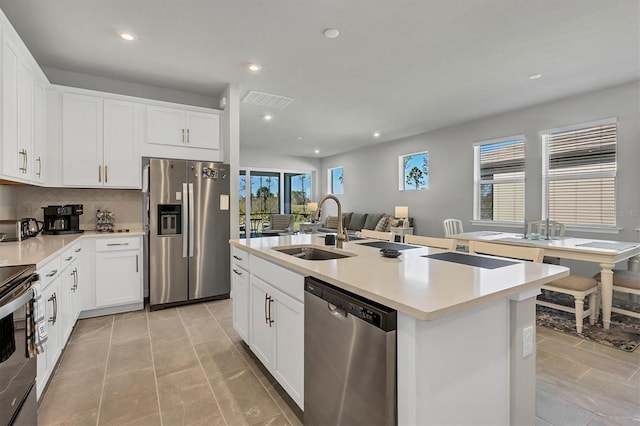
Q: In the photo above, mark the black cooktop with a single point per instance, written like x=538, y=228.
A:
x=388, y=245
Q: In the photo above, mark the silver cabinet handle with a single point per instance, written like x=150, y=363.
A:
x=182, y=135
x=236, y=257
x=78, y=250
x=237, y=272
x=54, y=302
x=68, y=258
x=26, y=160
x=52, y=273
x=39, y=172
x=106, y=174
x=136, y=263
x=188, y=138
x=266, y=300
x=117, y=244
x=271, y=321
x=73, y=274
x=99, y=173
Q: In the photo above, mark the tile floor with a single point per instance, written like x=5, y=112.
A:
x=187, y=366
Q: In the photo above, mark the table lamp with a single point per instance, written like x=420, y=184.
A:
x=312, y=207
x=402, y=212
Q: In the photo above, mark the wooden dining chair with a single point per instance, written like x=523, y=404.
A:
x=556, y=229
x=367, y=233
x=443, y=243
x=624, y=282
x=452, y=226
x=577, y=286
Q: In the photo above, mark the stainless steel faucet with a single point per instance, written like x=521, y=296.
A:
x=342, y=234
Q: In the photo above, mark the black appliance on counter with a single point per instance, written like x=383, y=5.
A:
x=62, y=219
x=18, y=404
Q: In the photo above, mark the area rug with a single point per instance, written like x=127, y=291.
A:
x=624, y=333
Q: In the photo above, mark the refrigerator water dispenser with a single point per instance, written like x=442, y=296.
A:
x=169, y=219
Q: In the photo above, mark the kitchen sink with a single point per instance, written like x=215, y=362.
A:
x=310, y=252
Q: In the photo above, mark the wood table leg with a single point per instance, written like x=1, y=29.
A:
x=606, y=293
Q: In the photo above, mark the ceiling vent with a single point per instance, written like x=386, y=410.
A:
x=266, y=99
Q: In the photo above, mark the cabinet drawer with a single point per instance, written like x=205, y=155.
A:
x=69, y=255
x=279, y=277
x=113, y=244
x=240, y=258
x=49, y=272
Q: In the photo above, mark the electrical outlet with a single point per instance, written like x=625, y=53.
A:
x=527, y=341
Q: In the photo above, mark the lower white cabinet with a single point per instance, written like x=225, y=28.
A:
x=240, y=287
x=118, y=271
x=50, y=293
x=277, y=335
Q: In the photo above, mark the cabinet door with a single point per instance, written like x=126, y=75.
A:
x=166, y=126
x=262, y=331
x=203, y=130
x=240, y=282
x=122, y=163
x=82, y=140
x=118, y=279
x=39, y=128
x=25, y=119
x=289, y=346
x=51, y=311
x=12, y=159
x=66, y=302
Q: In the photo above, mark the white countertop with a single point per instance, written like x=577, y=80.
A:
x=41, y=249
x=424, y=288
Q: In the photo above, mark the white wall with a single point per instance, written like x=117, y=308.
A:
x=7, y=202
x=371, y=174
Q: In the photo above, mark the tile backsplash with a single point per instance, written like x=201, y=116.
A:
x=126, y=204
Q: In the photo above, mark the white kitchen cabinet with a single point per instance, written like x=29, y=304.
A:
x=69, y=302
x=49, y=287
x=13, y=157
x=39, y=131
x=240, y=286
x=101, y=142
x=182, y=127
x=118, y=271
x=277, y=335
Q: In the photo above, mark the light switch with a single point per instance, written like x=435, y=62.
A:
x=527, y=341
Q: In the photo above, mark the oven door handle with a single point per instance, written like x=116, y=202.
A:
x=12, y=306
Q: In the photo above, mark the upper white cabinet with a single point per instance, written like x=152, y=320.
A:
x=39, y=131
x=100, y=142
x=182, y=127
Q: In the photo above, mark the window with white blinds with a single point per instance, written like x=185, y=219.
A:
x=499, y=180
x=579, y=174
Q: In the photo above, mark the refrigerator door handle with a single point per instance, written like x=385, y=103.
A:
x=185, y=220
x=191, y=219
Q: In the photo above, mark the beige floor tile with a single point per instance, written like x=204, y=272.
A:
x=612, y=387
x=549, y=333
x=88, y=418
x=167, y=330
x=621, y=369
x=162, y=314
x=558, y=367
x=174, y=356
x=289, y=408
x=219, y=357
x=129, y=397
x=85, y=356
x=232, y=334
x=130, y=315
x=221, y=309
x=186, y=399
x=558, y=412
x=190, y=313
x=130, y=329
x=129, y=355
x=242, y=398
x=278, y=420
x=91, y=329
x=72, y=395
x=610, y=352
x=204, y=330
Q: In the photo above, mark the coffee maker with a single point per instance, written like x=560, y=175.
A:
x=62, y=219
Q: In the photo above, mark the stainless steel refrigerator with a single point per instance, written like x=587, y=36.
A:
x=188, y=231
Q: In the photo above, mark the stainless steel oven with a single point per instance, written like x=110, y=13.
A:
x=17, y=370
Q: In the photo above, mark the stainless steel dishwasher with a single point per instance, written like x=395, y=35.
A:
x=349, y=358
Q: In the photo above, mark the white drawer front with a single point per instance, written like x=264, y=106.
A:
x=279, y=277
x=117, y=243
x=240, y=258
x=49, y=272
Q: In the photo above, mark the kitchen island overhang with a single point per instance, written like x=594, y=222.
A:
x=460, y=328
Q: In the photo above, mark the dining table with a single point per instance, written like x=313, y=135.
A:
x=604, y=252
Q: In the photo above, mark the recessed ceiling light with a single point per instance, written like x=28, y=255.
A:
x=317, y=151
x=298, y=138
x=267, y=117
x=535, y=76
x=331, y=33
x=254, y=67
x=127, y=36
x=376, y=135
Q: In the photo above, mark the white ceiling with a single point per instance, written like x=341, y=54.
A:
x=400, y=67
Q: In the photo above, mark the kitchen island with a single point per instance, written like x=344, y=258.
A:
x=460, y=328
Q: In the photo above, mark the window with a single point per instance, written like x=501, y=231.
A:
x=336, y=178
x=297, y=193
x=499, y=180
x=414, y=171
x=579, y=174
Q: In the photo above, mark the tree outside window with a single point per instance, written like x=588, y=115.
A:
x=414, y=171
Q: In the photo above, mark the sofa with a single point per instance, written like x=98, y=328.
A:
x=354, y=222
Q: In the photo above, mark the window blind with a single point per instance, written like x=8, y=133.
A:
x=579, y=174
x=500, y=180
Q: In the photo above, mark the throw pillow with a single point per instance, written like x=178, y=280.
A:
x=382, y=223
x=372, y=220
x=357, y=221
x=346, y=218
x=331, y=222
x=393, y=222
